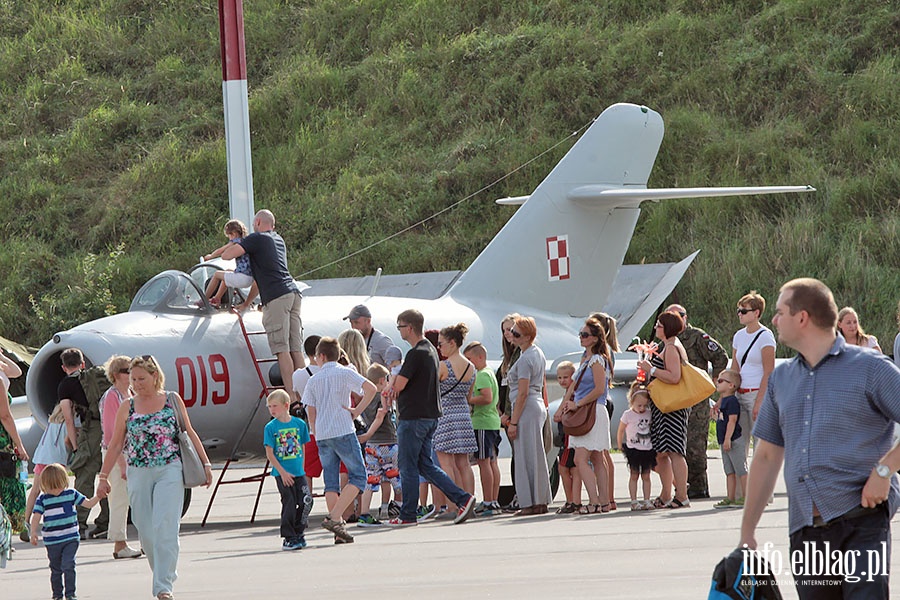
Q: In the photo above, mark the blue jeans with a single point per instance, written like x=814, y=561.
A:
x=62, y=566
x=342, y=448
x=867, y=539
x=414, y=437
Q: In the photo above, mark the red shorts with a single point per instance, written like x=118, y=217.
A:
x=311, y=463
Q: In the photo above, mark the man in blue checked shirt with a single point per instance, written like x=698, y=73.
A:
x=828, y=417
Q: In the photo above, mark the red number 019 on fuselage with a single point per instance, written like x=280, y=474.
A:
x=202, y=379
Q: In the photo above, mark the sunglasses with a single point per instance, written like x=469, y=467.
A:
x=723, y=380
x=124, y=371
x=515, y=333
x=584, y=334
x=402, y=326
x=744, y=311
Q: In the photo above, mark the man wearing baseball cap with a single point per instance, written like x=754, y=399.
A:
x=377, y=343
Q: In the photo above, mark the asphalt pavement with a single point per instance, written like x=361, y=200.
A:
x=623, y=554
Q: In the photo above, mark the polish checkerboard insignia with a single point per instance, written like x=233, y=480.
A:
x=558, y=257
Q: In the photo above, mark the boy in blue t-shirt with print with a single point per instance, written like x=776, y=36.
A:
x=731, y=439
x=284, y=438
x=57, y=507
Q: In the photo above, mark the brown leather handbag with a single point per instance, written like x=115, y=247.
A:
x=582, y=419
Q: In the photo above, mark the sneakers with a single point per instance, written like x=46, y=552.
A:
x=423, y=512
x=338, y=529
x=443, y=510
x=297, y=543
x=465, y=511
x=368, y=520
x=394, y=509
x=397, y=521
x=481, y=507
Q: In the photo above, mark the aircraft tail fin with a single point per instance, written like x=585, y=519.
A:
x=560, y=254
x=560, y=251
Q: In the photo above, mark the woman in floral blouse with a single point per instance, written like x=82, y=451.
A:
x=147, y=431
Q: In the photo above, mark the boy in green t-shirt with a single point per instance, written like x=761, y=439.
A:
x=486, y=423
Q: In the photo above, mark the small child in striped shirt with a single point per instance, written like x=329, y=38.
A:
x=60, y=531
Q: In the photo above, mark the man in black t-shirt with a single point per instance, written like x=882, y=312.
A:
x=417, y=392
x=277, y=292
x=84, y=434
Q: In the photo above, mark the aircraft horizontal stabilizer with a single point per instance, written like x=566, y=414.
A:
x=620, y=196
x=640, y=290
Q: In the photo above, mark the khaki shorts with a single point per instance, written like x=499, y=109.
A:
x=281, y=320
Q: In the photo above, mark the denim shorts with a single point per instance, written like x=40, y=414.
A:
x=332, y=452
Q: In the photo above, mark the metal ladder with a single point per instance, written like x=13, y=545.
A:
x=264, y=392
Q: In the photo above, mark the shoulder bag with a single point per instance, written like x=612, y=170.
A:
x=581, y=420
x=694, y=386
x=192, y=469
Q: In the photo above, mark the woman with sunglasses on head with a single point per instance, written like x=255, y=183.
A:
x=525, y=429
x=147, y=430
x=591, y=384
x=668, y=431
x=753, y=356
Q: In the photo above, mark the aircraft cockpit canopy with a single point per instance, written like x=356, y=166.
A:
x=171, y=292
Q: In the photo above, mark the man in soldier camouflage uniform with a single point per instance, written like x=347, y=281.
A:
x=702, y=350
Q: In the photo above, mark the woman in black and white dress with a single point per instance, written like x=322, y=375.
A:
x=668, y=431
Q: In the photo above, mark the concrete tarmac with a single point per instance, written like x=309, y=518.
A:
x=623, y=554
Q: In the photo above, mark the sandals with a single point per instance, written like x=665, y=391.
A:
x=566, y=509
x=605, y=507
x=591, y=509
x=612, y=505
x=635, y=505
x=676, y=503
x=659, y=503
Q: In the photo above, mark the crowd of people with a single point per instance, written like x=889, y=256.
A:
x=410, y=428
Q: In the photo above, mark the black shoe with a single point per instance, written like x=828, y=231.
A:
x=82, y=534
x=695, y=494
x=98, y=534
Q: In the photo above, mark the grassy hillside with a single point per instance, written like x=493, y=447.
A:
x=369, y=115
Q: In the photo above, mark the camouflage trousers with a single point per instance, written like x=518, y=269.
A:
x=697, y=433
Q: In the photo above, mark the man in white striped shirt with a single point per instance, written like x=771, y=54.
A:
x=327, y=400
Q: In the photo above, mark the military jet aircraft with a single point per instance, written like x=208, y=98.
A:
x=558, y=259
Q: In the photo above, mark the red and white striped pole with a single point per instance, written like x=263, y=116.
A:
x=237, y=112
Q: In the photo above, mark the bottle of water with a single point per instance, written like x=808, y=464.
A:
x=23, y=472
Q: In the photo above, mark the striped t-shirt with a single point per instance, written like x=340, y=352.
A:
x=60, y=520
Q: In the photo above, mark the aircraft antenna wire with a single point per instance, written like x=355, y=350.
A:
x=452, y=206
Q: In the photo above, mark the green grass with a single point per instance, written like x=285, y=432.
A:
x=368, y=116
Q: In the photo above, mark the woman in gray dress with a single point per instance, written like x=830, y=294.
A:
x=526, y=384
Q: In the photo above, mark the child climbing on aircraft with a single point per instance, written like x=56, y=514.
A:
x=241, y=277
x=634, y=439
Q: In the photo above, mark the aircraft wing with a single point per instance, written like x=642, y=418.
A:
x=639, y=291
x=425, y=286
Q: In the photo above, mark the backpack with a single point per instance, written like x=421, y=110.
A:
x=730, y=580
x=94, y=383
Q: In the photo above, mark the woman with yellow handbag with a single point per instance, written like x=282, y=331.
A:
x=668, y=430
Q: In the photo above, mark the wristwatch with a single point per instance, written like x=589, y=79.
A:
x=883, y=471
